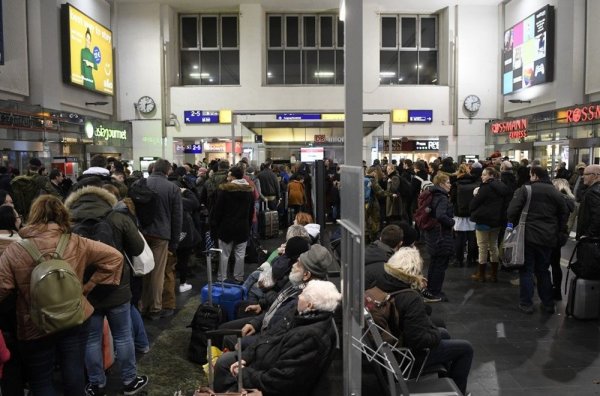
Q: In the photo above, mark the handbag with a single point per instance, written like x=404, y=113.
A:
x=143, y=263
x=513, y=255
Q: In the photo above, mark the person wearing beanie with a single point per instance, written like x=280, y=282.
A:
x=403, y=272
x=312, y=264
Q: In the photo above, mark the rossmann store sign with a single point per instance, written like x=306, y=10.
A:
x=579, y=114
x=516, y=129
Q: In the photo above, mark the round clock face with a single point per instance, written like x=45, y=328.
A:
x=146, y=105
x=472, y=103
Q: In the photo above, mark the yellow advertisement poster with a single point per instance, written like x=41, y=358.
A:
x=90, y=52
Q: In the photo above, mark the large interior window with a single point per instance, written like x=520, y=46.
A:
x=408, y=50
x=306, y=49
x=209, y=52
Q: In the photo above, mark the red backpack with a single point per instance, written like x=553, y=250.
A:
x=424, y=218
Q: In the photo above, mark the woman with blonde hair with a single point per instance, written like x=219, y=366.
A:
x=561, y=185
x=48, y=222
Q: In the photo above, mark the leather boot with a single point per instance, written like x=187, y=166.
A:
x=494, y=273
x=479, y=276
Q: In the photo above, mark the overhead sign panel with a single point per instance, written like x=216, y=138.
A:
x=297, y=116
x=420, y=115
x=200, y=117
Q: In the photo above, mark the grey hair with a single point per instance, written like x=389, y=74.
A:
x=297, y=230
x=323, y=295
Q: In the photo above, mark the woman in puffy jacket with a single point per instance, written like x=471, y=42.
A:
x=488, y=211
x=48, y=221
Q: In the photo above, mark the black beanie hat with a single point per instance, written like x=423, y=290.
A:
x=295, y=246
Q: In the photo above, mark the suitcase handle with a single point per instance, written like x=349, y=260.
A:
x=209, y=270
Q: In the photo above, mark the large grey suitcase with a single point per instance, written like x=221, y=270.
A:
x=584, y=299
x=268, y=223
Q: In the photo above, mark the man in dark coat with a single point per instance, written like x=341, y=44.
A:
x=290, y=361
x=588, y=220
x=547, y=217
x=507, y=176
x=403, y=272
x=231, y=219
x=269, y=186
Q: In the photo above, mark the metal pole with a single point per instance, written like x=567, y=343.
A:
x=353, y=260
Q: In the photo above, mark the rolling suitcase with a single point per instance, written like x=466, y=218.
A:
x=208, y=316
x=226, y=295
x=583, y=299
x=208, y=391
x=268, y=222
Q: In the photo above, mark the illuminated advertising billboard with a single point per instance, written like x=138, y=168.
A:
x=87, y=51
x=528, y=52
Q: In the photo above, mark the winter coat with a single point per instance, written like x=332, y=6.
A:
x=418, y=332
x=547, y=214
x=269, y=185
x=296, y=194
x=169, y=216
x=287, y=305
x=231, y=216
x=489, y=205
x=211, y=186
x=97, y=203
x=16, y=266
x=460, y=196
x=440, y=240
x=394, y=205
x=291, y=362
x=372, y=210
x=378, y=252
x=508, y=178
x=588, y=220
x=190, y=206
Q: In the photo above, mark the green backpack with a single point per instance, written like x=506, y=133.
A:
x=55, y=290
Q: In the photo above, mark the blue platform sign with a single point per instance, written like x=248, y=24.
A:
x=420, y=115
x=298, y=116
x=200, y=117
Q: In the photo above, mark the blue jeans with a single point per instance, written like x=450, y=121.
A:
x=40, y=356
x=436, y=273
x=537, y=260
x=456, y=355
x=119, y=320
x=140, y=338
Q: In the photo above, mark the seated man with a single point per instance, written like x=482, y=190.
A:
x=379, y=252
x=404, y=271
x=312, y=264
x=291, y=361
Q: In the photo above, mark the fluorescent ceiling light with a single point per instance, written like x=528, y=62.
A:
x=324, y=74
x=195, y=67
x=269, y=74
x=387, y=74
x=195, y=75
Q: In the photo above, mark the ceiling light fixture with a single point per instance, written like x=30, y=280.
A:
x=96, y=103
x=519, y=101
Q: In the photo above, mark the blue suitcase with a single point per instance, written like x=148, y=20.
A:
x=226, y=295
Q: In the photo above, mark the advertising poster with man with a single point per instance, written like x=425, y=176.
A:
x=90, y=53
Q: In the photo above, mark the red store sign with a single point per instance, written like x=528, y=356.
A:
x=516, y=129
x=583, y=114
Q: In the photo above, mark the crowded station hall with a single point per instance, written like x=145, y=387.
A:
x=316, y=198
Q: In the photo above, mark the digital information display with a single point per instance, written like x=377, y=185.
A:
x=528, y=53
x=200, y=117
x=311, y=154
x=87, y=51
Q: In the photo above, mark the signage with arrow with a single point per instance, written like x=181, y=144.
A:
x=420, y=115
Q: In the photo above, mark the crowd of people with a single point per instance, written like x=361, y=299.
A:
x=457, y=213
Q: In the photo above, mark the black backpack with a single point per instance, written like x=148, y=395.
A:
x=207, y=317
x=145, y=201
x=96, y=229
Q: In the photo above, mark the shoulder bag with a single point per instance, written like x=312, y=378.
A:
x=513, y=255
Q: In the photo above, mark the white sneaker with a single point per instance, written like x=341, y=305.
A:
x=185, y=287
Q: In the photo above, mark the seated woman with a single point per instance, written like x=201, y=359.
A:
x=290, y=362
x=404, y=271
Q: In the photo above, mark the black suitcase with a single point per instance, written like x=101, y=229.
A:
x=583, y=299
x=268, y=222
x=208, y=316
x=255, y=254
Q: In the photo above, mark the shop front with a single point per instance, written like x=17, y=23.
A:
x=109, y=138
x=412, y=148
x=569, y=135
